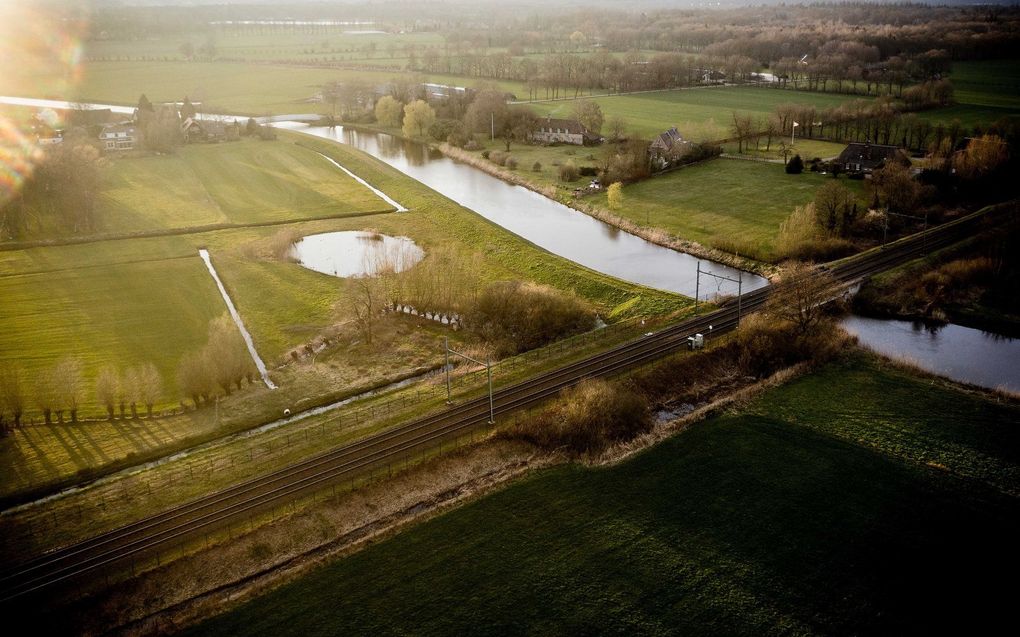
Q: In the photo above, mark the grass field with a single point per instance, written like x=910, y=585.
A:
x=702, y=114
x=236, y=183
x=726, y=203
x=128, y=313
x=808, y=149
x=757, y=522
x=985, y=92
x=222, y=87
x=283, y=303
x=145, y=288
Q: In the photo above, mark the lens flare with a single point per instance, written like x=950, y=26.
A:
x=41, y=56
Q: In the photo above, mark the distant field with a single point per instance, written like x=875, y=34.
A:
x=985, y=92
x=725, y=203
x=250, y=89
x=701, y=114
x=752, y=523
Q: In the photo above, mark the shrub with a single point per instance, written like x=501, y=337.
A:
x=588, y=171
x=510, y=163
x=537, y=167
x=441, y=129
x=486, y=153
x=588, y=418
x=498, y=157
x=513, y=316
x=568, y=172
x=795, y=166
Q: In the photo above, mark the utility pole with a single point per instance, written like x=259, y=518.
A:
x=697, y=287
x=924, y=231
x=740, y=287
x=488, y=374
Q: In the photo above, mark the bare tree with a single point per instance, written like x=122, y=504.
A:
x=226, y=354
x=12, y=395
x=836, y=207
x=108, y=388
x=800, y=294
x=150, y=386
x=69, y=384
x=617, y=126
x=44, y=391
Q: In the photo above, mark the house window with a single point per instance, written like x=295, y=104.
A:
x=111, y=144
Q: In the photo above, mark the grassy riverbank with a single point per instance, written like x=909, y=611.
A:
x=149, y=299
x=771, y=519
x=728, y=204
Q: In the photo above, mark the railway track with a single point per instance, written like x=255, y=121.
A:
x=242, y=501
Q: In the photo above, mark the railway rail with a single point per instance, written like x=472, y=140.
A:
x=241, y=501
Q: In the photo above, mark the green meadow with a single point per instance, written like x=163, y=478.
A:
x=730, y=204
x=204, y=185
x=700, y=114
x=766, y=520
x=984, y=91
x=150, y=298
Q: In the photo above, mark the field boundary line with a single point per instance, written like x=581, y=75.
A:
x=364, y=183
x=263, y=371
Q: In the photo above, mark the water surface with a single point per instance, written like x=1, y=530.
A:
x=960, y=353
x=356, y=253
x=546, y=223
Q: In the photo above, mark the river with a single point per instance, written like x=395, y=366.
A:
x=546, y=223
x=960, y=353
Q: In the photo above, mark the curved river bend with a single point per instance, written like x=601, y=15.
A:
x=542, y=221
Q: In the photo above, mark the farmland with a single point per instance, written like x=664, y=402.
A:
x=984, y=92
x=701, y=114
x=767, y=520
x=148, y=299
x=246, y=182
x=725, y=203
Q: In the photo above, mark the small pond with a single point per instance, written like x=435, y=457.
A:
x=356, y=253
x=960, y=353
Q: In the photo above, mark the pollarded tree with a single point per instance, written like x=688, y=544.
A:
x=44, y=392
x=150, y=386
x=194, y=378
x=226, y=354
x=388, y=111
x=418, y=117
x=12, y=394
x=127, y=393
x=69, y=383
x=108, y=388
